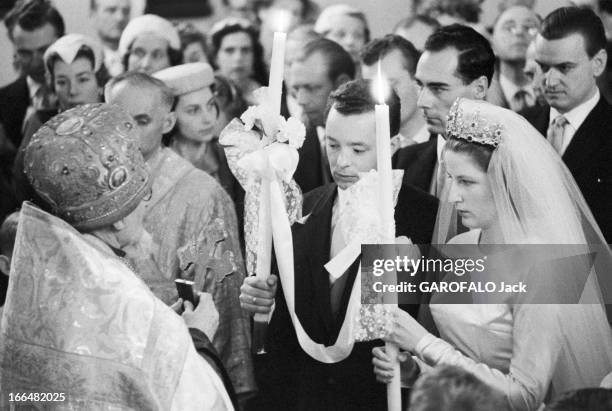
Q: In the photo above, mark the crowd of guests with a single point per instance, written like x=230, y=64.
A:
x=114, y=184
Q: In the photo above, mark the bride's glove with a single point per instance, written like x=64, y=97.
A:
x=404, y=331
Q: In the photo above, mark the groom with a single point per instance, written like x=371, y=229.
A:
x=289, y=379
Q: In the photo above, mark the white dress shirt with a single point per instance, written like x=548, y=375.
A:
x=35, y=99
x=113, y=61
x=421, y=136
x=437, y=175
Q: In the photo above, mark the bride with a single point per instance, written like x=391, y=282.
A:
x=509, y=186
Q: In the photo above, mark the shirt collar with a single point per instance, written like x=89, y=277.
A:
x=578, y=114
x=422, y=135
x=110, y=54
x=440, y=146
x=342, y=196
x=33, y=87
x=510, y=89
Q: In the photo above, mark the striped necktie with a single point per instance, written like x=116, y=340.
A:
x=556, y=133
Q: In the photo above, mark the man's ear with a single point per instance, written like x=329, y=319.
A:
x=341, y=79
x=479, y=88
x=5, y=264
x=599, y=61
x=169, y=122
x=395, y=144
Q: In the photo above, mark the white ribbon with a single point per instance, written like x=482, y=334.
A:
x=336, y=267
x=272, y=163
x=284, y=255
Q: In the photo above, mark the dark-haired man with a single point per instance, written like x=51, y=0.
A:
x=32, y=27
x=293, y=380
x=457, y=62
x=322, y=66
x=398, y=59
x=577, y=121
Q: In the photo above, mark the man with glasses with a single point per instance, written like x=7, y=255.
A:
x=514, y=29
x=32, y=26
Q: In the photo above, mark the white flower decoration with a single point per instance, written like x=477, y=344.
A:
x=273, y=125
x=293, y=131
x=250, y=116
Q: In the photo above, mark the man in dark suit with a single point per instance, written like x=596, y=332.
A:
x=291, y=379
x=32, y=27
x=577, y=121
x=397, y=58
x=457, y=62
x=512, y=32
x=320, y=69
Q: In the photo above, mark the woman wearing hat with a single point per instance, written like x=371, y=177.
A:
x=75, y=71
x=150, y=43
x=346, y=25
x=197, y=112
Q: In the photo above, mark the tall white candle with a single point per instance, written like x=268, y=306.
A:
x=275, y=86
x=385, y=184
x=277, y=67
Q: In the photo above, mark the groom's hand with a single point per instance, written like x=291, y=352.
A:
x=257, y=295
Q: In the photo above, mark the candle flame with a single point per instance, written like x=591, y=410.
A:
x=283, y=20
x=381, y=86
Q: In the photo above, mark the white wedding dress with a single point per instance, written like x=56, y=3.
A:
x=529, y=352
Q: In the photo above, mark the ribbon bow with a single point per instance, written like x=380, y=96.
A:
x=264, y=168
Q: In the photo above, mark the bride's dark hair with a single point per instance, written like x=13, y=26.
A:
x=480, y=153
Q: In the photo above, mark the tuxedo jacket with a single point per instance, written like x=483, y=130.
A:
x=294, y=381
x=14, y=102
x=418, y=162
x=589, y=158
x=310, y=173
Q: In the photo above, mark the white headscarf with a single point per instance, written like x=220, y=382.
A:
x=149, y=23
x=68, y=46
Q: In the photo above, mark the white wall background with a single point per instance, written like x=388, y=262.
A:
x=383, y=15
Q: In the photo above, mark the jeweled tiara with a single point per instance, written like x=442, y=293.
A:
x=472, y=127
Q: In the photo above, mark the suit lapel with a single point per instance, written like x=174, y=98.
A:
x=421, y=171
x=308, y=174
x=584, y=142
x=542, y=119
